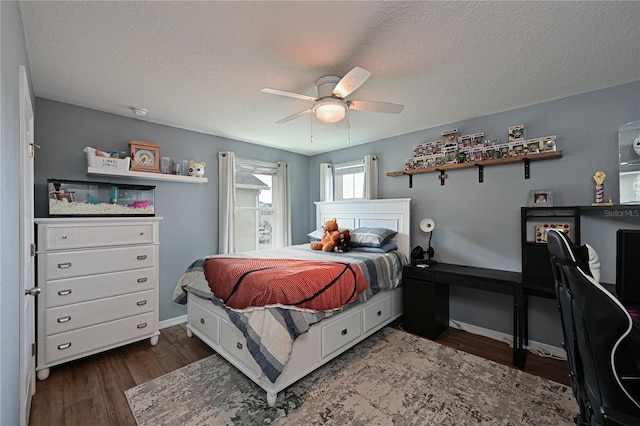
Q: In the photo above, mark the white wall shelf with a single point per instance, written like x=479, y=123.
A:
x=144, y=175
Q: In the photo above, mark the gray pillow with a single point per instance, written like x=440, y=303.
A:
x=385, y=248
x=371, y=237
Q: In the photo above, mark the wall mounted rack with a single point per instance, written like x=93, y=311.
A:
x=443, y=168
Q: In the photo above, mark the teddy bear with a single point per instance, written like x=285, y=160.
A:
x=333, y=239
x=196, y=169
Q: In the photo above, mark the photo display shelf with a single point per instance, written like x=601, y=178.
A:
x=526, y=159
x=105, y=171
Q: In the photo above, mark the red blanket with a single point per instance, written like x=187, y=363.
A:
x=320, y=286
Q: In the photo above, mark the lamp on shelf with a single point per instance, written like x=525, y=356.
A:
x=428, y=225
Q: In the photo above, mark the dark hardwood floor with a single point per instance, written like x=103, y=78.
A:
x=90, y=391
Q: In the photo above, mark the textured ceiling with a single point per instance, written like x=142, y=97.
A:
x=201, y=65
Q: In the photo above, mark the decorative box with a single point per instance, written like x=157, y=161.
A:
x=79, y=198
x=112, y=163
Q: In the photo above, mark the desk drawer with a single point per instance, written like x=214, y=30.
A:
x=337, y=334
x=90, y=262
x=82, y=289
x=90, y=339
x=72, y=317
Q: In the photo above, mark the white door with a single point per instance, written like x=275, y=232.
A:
x=28, y=290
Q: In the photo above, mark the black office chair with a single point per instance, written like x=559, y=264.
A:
x=605, y=378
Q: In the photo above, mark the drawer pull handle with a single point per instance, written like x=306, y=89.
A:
x=142, y=257
x=142, y=303
x=64, y=265
x=64, y=346
x=201, y=320
x=379, y=313
x=64, y=319
x=143, y=325
x=142, y=233
x=239, y=345
x=64, y=237
x=344, y=332
x=64, y=292
x=142, y=280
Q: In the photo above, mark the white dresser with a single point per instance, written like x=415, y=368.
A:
x=99, y=281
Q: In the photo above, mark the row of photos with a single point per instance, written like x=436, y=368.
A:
x=453, y=148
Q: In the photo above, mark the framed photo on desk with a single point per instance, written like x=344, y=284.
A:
x=540, y=198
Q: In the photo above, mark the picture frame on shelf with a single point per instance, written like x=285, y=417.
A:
x=540, y=198
x=543, y=228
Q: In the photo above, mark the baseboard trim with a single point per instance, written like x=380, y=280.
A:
x=539, y=348
x=172, y=321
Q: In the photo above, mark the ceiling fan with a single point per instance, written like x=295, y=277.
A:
x=330, y=105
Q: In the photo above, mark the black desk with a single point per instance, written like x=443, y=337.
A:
x=426, y=298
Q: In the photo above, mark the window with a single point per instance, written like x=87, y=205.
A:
x=349, y=180
x=254, y=209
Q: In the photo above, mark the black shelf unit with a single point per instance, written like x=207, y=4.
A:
x=537, y=278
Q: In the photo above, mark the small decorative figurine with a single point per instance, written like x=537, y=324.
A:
x=196, y=169
x=599, y=178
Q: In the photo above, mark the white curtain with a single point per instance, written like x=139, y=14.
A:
x=226, y=202
x=282, y=206
x=326, y=182
x=370, y=177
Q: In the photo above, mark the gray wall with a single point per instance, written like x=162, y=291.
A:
x=478, y=224
x=13, y=54
x=190, y=226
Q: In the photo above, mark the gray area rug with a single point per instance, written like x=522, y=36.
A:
x=392, y=378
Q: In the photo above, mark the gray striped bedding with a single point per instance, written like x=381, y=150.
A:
x=285, y=323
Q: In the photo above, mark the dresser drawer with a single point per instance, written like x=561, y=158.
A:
x=232, y=341
x=337, y=334
x=90, y=262
x=377, y=313
x=72, y=344
x=60, y=237
x=203, y=320
x=82, y=289
x=72, y=317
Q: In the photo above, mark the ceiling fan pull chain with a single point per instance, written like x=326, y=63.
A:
x=312, y=127
x=348, y=129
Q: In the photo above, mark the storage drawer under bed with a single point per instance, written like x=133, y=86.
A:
x=202, y=319
x=338, y=333
x=377, y=313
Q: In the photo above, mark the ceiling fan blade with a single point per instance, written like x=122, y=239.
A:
x=350, y=82
x=376, y=106
x=294, y=116
x=288, y=94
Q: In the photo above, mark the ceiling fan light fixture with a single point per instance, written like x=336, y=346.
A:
x=330, y=110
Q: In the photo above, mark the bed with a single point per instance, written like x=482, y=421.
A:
x=278, y=344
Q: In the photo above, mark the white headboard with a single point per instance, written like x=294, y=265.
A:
x=392, y=213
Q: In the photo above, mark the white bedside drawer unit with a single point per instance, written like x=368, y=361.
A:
x=99, y=281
